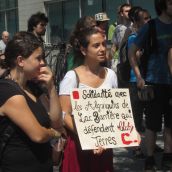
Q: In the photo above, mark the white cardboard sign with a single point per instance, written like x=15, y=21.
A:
x=103, y=117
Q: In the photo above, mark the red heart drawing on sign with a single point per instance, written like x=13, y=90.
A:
x=75, y=94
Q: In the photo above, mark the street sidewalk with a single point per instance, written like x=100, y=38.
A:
x=125, y=162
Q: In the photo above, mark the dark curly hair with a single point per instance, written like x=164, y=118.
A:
x=82, y=40
x=35, y=19
x=22, y=44
x=82, y=24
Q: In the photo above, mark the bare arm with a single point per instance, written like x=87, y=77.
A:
x=55, y=109
x=134, y=64
x=17, y=110
x=113, y=49
x=67, y=108
x=53, y=104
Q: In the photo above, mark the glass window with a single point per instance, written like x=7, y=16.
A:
x=11, y=3
x=71, y=15
x=91, y=7
x=9, y=16
x=12, y=21
x=64, y=14
x=2, y=22
x=62, y=18
x=54, y=12
x=2, y=4
x=147, y=5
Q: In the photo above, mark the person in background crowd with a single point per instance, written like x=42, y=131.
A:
x=139, y=17
x=37, y=25
x=111, y=31
x=90, y=47
x=23, y=117
x=158, y=76
x=121, y=28
x=4, y=41
x=102, y=22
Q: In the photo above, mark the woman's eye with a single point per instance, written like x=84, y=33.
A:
x=39, y=58
x=104, y=44
x=96, y=45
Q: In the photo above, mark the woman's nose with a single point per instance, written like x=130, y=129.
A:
x=42, y=63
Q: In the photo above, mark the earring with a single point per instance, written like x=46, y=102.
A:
x=83, y=53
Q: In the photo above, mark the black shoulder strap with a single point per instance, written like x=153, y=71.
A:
x=77, y=78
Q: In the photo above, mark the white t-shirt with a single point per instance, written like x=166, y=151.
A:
x=118, y=34
x=2, y=46
x=70, y=82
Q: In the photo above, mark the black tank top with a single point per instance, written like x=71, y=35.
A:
x=21, y=154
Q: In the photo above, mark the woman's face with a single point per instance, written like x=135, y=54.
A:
x=96, y=50
x=32, y=64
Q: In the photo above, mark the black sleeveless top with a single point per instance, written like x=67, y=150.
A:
x=21, y=154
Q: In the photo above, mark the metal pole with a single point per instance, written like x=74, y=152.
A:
x=80, y=11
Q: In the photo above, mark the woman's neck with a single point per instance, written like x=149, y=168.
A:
x=18, y=77
x=93, y=68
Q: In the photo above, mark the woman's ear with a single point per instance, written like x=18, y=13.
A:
x=83, y=51
x=20, y=61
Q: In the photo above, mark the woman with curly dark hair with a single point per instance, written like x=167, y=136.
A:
x=25, y=123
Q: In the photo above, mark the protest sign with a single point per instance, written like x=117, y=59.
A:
x=103, y=117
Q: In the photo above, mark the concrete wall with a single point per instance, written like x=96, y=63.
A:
x=26, y=8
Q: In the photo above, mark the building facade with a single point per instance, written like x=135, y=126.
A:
x=62, y=14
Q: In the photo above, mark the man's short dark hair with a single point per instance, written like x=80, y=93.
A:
x=160, y=5
x=35, y=19
x=124, y=5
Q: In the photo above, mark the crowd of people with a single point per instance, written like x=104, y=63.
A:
x=33, y=115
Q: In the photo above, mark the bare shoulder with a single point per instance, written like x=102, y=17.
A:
x=14, y=101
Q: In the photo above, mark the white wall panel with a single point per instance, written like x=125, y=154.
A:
x=26, y=8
